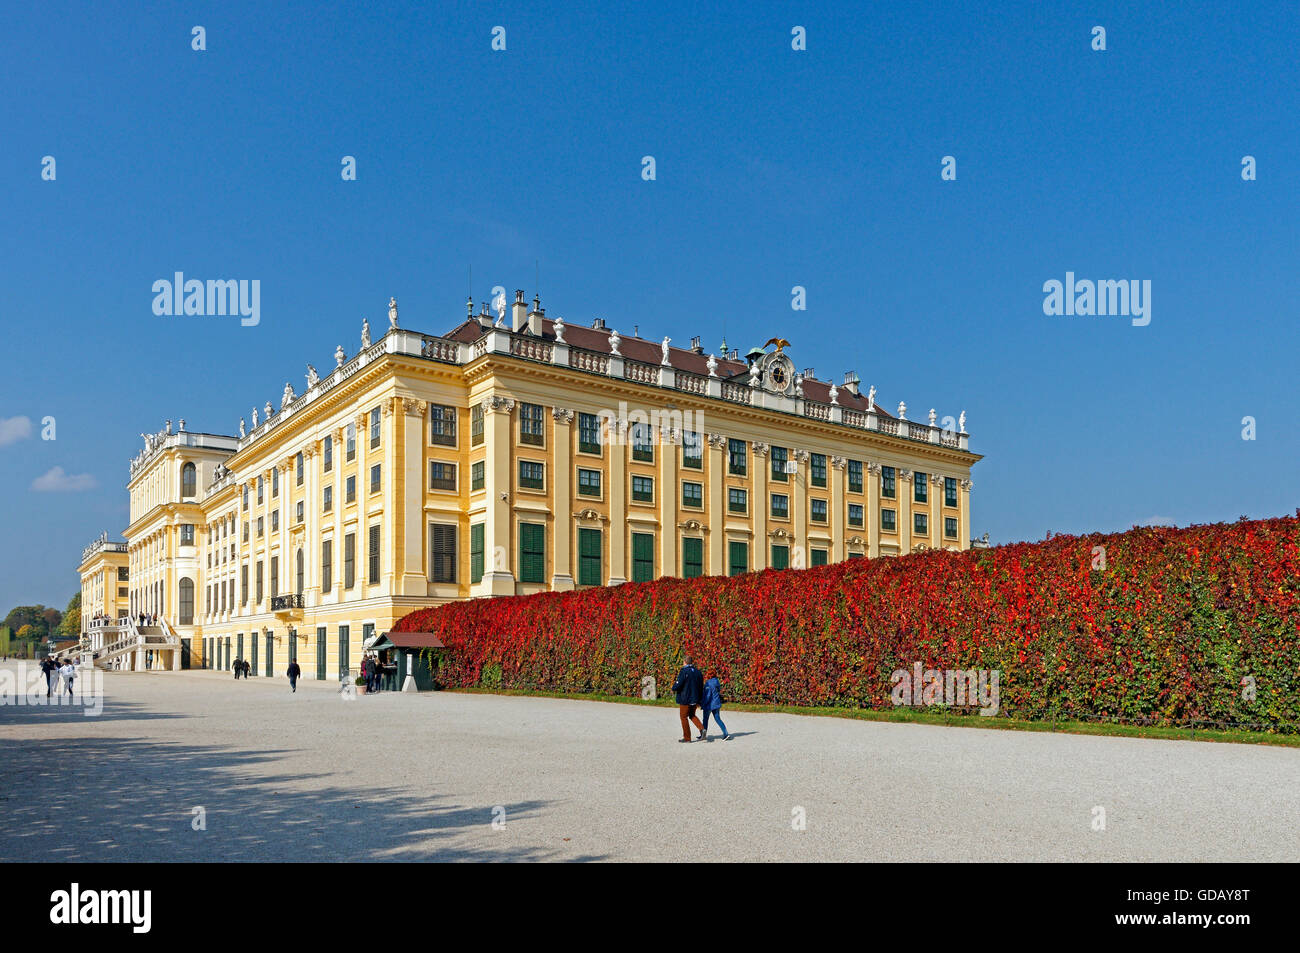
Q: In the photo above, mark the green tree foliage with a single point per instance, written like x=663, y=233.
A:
x=70, y=628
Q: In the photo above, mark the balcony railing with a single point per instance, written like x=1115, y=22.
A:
x=286, y=603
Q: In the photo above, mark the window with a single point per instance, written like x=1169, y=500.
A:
x=350, y=489
x=588, y=482
x=374, y=555
x=300, y=574
x=855, y=514
x=887, y=482
x=693, y=495
x=187, y=534
x=643, y=489
x=692, y=450
x=643, y=557
x=275, y=576
x=442, y=476
x=298, y=469
x=326, y=566
x=442, y=425
x=692, y=558
x=949, y=491
x=530, y=424
x=297, y=511
x=476, y=552
x=329, y=454
x=887, y=523
x=349, y=560
x=261, y=487
x=187, y=602
x=950, y=527
x=189, y=480
x=780, y=557
x=476, y=425
x=817, y=469
x=476, y=476
x=817, y=557
x=245, y=530
x=818, y=511
x=350, y=442
x=532, y=552
x=780, y=506
x=245, y=496
x=123, y=574
x=374, y=427
x=738, y=558
x=920, y=524
x=531, y=475
x=737, y=457
x=642, y=448
x=258, y=591
x=920, y=487
x=275, y=520
x=261, y=527
x=275, y=481
x=588, y=433
x=855, y=476
x=374, y=478
x=442, y=551
x=589, y=545
x=780, y=455
x=327, y=501
x=737, y=500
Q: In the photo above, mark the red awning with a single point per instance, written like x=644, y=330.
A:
x=415, y=640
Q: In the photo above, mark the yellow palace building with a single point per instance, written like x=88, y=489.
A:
x=516, y=454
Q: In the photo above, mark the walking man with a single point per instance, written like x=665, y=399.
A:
x=239, y=668
x=689, y=687
x=69, y=673
x=293, y=672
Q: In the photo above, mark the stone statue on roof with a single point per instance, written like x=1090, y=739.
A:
x=559, y=330
x=664, y=345
x=871, y=398
x=339, y=356
x=614, y=340
x=961, y=422
x=254, y=418
x=241, y=426
x=312, y=377
x=713, y=366
x=365, y=334
x=392, y=313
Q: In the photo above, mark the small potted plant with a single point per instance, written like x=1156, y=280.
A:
x=361, y=684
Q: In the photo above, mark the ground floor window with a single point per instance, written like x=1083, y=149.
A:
x=643, y=557
x=532, y=552
x=738, y=563
x=780, y=557
x=589, y=547
x=692, y=558
x=817, y=557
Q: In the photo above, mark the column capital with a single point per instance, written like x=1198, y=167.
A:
x=562, y=415
x=760, y=449
x=717, y=441
x=839, y=463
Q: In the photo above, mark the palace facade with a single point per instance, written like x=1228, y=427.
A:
x=516, y=454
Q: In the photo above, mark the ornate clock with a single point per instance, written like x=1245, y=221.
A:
x=779, y=373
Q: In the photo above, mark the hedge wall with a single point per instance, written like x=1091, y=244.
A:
x=1167, y=630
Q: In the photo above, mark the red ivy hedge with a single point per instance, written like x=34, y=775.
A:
x=1167, y=630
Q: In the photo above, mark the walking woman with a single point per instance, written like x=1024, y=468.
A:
x=713, y=706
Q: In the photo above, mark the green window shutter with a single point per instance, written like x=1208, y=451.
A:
x=589, y=545
x=643, y=557
x=692, y=558
x=532, y=552
x=819, y=557
x=739, y=558
x=476, y=552
x=780, y=557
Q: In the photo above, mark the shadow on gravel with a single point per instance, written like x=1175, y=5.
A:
x=51, y=712
x=133, y=799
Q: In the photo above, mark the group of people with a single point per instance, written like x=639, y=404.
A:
x=58, y=668
x=147, y=618
x=242, y=667
x=372, y=670
x=695, y=691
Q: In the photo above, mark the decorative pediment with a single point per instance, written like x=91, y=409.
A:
x=589, y=515
x=694, y=526
x=781, y=534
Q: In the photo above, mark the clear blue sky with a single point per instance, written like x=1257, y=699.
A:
x=775, y=168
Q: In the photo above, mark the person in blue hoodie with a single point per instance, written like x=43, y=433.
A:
x=713, y=706
x=689, y=687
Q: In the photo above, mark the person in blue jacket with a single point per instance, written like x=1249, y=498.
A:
x=690, y=692
x=713, y=706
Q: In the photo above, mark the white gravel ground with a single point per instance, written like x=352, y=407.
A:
x=422, y=777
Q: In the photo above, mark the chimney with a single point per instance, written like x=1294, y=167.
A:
x=696, y=346
x=484, y=319
x=851, y=381
x=808, y=374
x=535, y=316
x=518, y=313
x=598, y=324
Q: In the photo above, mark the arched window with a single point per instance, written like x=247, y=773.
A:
x=189, y=480
x=187, y=602
x=300, y=573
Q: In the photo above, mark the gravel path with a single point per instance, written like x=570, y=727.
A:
x=313, y=777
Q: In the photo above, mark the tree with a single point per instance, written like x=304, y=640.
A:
x=70, y=628
x=32, y=617
x=28, y=634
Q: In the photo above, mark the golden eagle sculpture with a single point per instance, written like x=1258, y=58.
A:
x=780, y=343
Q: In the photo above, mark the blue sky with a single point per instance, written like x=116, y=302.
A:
x=775, y=168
